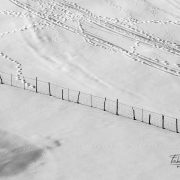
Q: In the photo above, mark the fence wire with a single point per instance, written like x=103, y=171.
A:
x=114, y=107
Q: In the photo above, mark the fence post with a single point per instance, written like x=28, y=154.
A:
x=11, y=80
x=177, y=126
x=62, y=94
x=49, y=85
x=105, y=104
x=149, y=119
x=68, y=95
x=1, y=81
x=117, y=107
x=24, y=84
x=134, y=116
x=142, y=115
x=78, y=97
x=163, y=121
x=36, y=85
x=91, y=100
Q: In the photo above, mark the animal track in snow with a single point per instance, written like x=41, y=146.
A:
x=158, y=22
x=35, y=26
x=25, y=28
x=72, y=12
x=16, y=14
x=19, y=74
x=135, y=46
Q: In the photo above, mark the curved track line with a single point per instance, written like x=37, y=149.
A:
x=19, y=71
x=87, y=16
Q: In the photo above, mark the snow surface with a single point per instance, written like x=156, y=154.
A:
x=56, y=54
x=80, y=142
x=132, y=63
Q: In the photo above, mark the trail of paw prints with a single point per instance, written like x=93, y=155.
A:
x=16, y=14
x=133, y=21
x=159, y=22
x=166, y=63
x=133, y=49
x=152, y=38
x=85, y=37
x=35, y=26
x=19, y=73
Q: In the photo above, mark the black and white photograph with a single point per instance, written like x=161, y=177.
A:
x=89, y=89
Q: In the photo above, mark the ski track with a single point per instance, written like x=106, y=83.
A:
x=75, y=13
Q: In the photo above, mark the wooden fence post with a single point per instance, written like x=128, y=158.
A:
x=62, y=94
x=142, y=115
x=149, y=119
x=163, y=122
x=11, y=80
x=78, y=97
x=177, y=126
x=134, y=116
x=36, y=85
x=49, y=85
x=68, y=95
x=117, y=107
x=1, y=81
x=105, y=104
x=91, y=100
x=24, y=84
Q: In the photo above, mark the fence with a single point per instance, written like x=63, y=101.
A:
x=114, y=107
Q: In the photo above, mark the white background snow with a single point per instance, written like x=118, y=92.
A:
x=78, y=142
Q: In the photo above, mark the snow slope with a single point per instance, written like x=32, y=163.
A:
x=55, y=54
x=48, y=139
x=58, y=140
